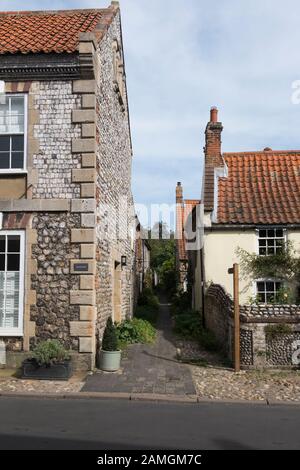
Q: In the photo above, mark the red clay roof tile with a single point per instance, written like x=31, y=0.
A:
x=183, y=212
x=261, y=188
x=33, y=32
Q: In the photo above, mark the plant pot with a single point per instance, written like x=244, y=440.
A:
x=110, y=361
x=59, y=371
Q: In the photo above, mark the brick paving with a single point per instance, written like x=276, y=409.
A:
x=148, y=368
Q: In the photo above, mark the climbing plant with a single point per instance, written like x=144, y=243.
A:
x=284, y=265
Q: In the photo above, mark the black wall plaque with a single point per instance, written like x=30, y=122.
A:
x=81, y=267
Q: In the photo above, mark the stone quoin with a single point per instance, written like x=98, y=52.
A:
x=65, y=97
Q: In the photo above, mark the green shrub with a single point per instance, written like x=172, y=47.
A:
x=208, y=340
x=188, y=324
x=146, y=312
x=135, y=331
x=110, y=338
x=50, y=352
x=274, y=331
x=148, y=298
x=181, y=302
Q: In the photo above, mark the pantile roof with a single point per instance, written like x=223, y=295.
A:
x=50, y=31
x=182, y=217
x=261, y=188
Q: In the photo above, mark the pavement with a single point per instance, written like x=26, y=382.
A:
x=132, y=425
x=148, y=369
x=153, y=373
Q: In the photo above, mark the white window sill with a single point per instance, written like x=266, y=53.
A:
x=13, y=172
x=11, y=333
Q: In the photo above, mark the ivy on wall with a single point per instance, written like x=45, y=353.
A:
x=283, y=266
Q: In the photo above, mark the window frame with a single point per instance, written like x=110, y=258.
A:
x=256, y=292
x=284, y=238
x=23, y=170
x=19, y=331
x=258, y=238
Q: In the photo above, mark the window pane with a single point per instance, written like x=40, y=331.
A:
x=17, y=143
x=17, y=160
x=271, y=242
x=261, y=298
x=262, y=233
x=17, y=105
x=261, y=286
x=12, y=284
x=270, y=286
x=4, y=143
x=4, y=116
x=2, y=262
x=4, y=124
x=13, y=262
x=17, y=124
x=12, y=300
x=271, y=251
x=4, y=161
x=13, y=243
x=270, y=298
x=271, y=233
x=2, y=244
x=262, y=243
x=278, y=286
x=262, y=251
x=279, y=232
x=11, y=318
x=3, y=105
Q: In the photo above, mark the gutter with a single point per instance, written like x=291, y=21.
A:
x=216, y=227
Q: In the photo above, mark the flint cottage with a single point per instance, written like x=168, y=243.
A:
x=65, y=164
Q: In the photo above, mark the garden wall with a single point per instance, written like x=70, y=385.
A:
x=270, y=334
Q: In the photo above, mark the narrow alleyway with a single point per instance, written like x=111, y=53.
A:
x=148, y=368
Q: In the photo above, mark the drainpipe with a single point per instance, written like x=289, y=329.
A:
x=2, y=355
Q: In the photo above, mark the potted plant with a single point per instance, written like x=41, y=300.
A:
x=110, y=354
x=49, y=361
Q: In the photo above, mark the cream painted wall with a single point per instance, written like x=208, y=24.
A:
x=294, y=237
x=220, y=254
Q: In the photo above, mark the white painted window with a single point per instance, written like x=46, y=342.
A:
x=13, y=124
x=11, y=283
x=267, y=290
x=270, y=241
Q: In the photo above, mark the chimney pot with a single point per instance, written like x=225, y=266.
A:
x=214, y=114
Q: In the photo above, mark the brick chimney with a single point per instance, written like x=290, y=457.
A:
x=213, y=158
x=179, y=194
x=179, y=215
x=213, y=140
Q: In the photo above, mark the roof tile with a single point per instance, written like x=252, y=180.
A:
x=47, y=32
x=262, y=187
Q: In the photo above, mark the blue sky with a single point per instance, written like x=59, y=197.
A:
x=184, y=56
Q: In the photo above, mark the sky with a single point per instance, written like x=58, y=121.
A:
x=184, y=56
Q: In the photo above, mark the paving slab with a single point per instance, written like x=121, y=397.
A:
x=148, y=369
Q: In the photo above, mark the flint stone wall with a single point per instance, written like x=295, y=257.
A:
x=53, y=281
x=54, y=101
x=114, y=156
x=258, y=349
